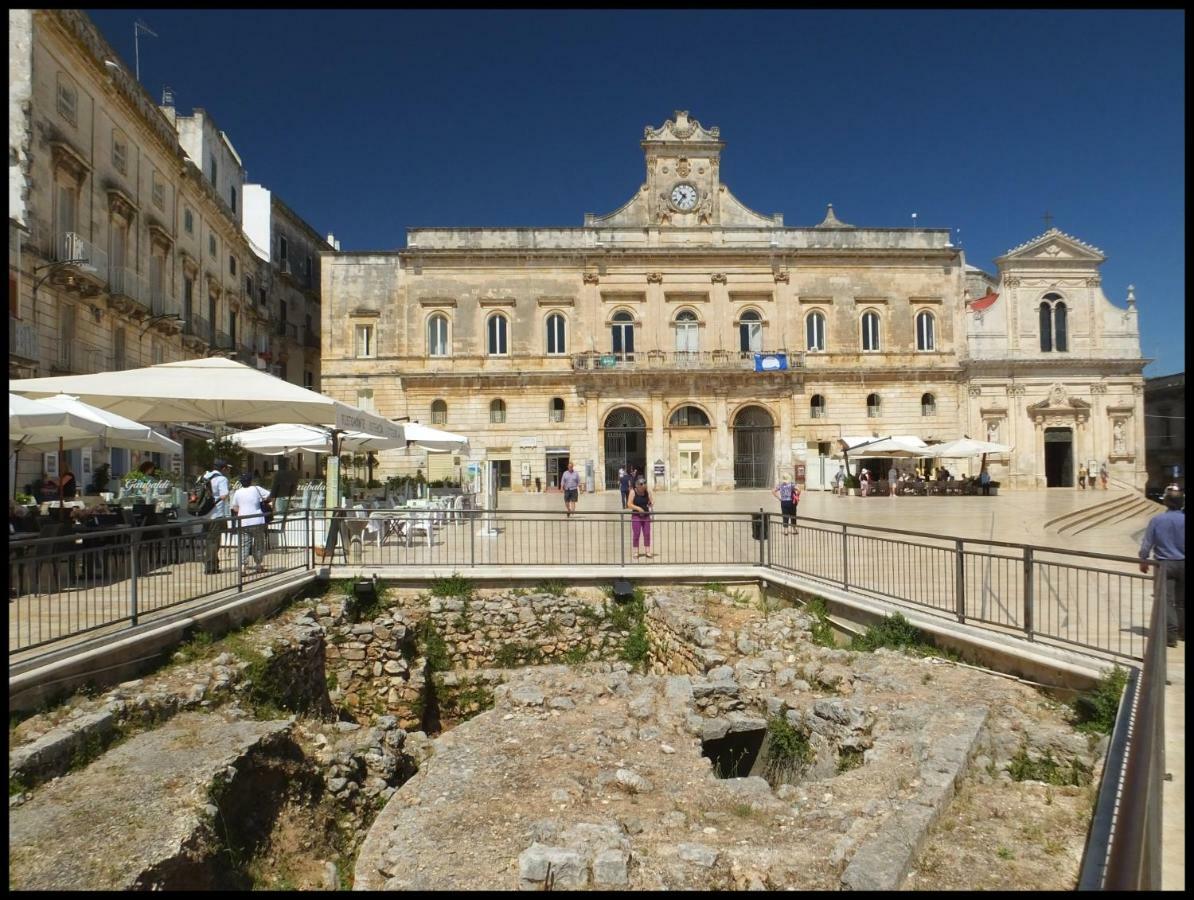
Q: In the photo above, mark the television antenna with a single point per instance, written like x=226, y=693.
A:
x=138, y=27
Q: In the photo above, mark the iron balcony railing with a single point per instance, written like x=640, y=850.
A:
x=197, y=326
x=162, y=301
x=310, y=338
x=70, y=247
x=124, y=282
x=708, y=360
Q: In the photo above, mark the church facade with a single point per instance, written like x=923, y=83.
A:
x=713, y=347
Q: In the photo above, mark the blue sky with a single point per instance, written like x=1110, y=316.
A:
x=370, y=122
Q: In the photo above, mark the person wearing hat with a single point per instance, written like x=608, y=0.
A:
x=789, y=495
x=218, y=477
x=1165, y=541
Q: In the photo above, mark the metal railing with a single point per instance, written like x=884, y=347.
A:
x=1123, y=848
x=734, y=360
x=69, y=582
x=74, y=248
x=1085, y=600
x=125, y=282
x=197, y=326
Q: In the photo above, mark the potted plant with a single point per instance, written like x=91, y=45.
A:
x=852, y=485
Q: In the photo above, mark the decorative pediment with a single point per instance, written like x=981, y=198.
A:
x=682, y=128
x=66, y=158
x=121, y=204
x=1059, y=401
x=159, y=235
x=1054, y=245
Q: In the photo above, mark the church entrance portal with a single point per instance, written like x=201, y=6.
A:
x=754, y=438
x=625, y=443
x=1059, y=457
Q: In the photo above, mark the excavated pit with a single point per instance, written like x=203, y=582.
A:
x=637, y=741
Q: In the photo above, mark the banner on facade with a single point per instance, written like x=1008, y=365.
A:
x=771, y=362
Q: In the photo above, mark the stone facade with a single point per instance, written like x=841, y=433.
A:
x=1165, y=409
x=126, y=246
x=646, y=336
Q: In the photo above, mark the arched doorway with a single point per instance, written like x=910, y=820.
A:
x=625, y=443
x=754, y=439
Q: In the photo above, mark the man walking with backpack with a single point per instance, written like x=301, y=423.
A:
x=217, y=483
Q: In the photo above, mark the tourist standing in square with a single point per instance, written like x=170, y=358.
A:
x=789, y=495
x=1104, y=475
x=247, y=506
x=624, y=482
x=570, y=482
x=1082, y=477
x=1165, y=539
x=640, y=518
x=217, y=478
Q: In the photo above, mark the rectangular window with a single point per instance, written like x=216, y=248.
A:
x=261, y=296
x=188, y=221
x=66, y=335
x=158, y=354
x=119, y=359
x=232, y=265
x=282, y=249
x=249, y=288
x=68, y=100
x=213, y=170
x=364, y=335
x=232, y=198
x=308, y=379
x=211, y=245
x=159, y=193
x=365, y=399
x=120, y=153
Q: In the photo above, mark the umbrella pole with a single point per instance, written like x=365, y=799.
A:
x=61, y=500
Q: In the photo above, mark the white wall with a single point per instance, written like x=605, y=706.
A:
x=255, y=220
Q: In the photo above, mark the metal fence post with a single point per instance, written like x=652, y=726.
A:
x=134, y=552
x=470, y=524
x=845, y=558
x=960, y=580
x=1028, y=598
x=238, y=556
x=622, y=536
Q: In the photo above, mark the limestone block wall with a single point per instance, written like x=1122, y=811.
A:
x=681, y=643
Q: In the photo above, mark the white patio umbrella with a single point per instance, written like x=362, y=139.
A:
x=215, y=391
x=108, y=426
x=967, y=447
x=35, y=421
x=277, y=440
x=433, y=439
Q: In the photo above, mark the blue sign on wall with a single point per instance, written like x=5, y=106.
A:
x=771, y=362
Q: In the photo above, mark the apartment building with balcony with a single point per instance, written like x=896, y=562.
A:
x=289, y=252
x=1165, y=433
x=710, y=346
x=123, y=251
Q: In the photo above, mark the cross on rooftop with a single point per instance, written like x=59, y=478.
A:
x=1048, y=217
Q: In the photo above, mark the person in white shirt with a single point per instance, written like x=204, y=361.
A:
x=247, y=508
x=218, y=477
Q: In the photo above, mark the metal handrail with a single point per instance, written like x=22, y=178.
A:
x=1123, y=847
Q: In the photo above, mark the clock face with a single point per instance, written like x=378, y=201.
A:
x=684, y=197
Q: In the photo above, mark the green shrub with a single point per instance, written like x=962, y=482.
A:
x=848, y=758
x=788, y=751
x=553, y=586
x=576, y=655
x=1095, y=711
x=637, y=647
x=435, y=648
x=892, y=631
x=715, y=587
x=821, y=631
x=456, y=585
x=513, y=655
x=1024, y=768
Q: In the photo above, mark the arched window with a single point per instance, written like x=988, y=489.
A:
x=555, y=335
x=622, y=335
x=497, y=411
x=925, y=337
x=437, y=335
x=872, y=406
x=814, y=332
x=928, y=405
x=555, y=409
x=816, y=407
x=688, y=339
x=750, y=332
x=689, y=417
x=497, y=331
x=870, y=331
x=439, y=412
x=1053, y=315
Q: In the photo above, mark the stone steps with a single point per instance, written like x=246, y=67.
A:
x=147, y=814
x=1116, y=508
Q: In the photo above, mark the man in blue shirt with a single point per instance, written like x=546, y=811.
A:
x=217, y=518
x=1165, y=540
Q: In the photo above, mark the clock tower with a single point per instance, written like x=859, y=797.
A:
x=683, y=161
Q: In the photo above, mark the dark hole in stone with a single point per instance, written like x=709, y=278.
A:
x=734, y=755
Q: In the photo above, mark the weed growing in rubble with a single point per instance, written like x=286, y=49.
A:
x=455, y=585
x=514, y=655
x=553, y=586
x=821, y=632
x=1095, y=711
x=788, y=751
x=1004, y=853
x=715, y=587
x=435, y=648
x=1024, y=768
x=848, y=758
x=198, y=647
